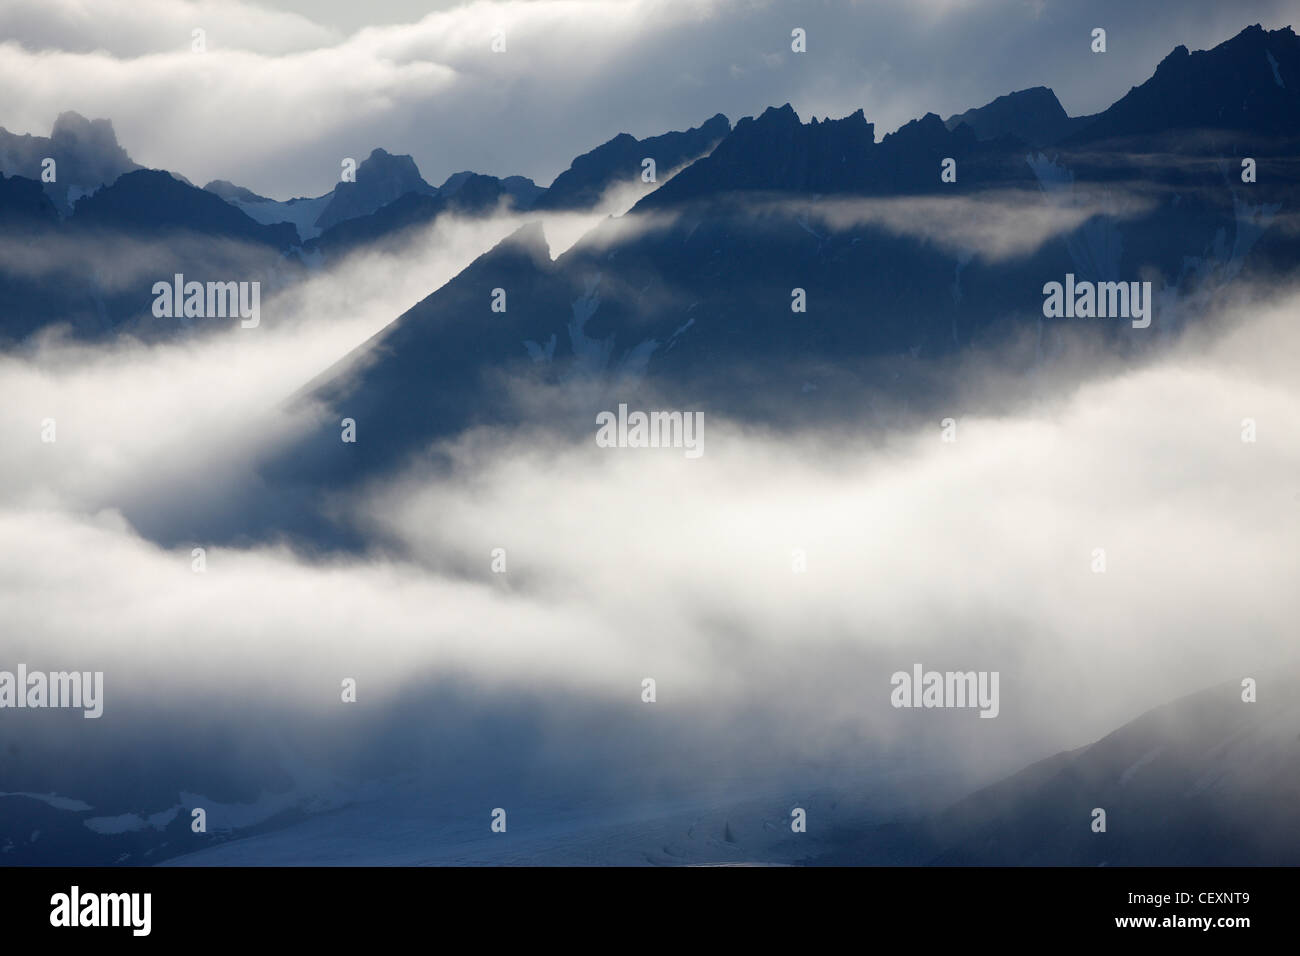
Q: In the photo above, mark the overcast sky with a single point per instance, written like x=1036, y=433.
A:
x=287, y=88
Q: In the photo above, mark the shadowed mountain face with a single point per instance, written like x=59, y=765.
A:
x=26, y=300
x=619, y=163
x=1244, y=85
x=102, y=260
x=238, y=571
x=471, y=195
x=1034, y=116
x=777, y=153
x=688, y=301
x=695, y=296
x=1209, y=780
x=522, y=190
x=85, y=152
x=24, y=206
x=389, y=195
x=148, y=202
x=225, y=231
x=381, y=178
x=442, y=362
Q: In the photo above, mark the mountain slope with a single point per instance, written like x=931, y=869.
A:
x=1207, y=780
x=472, y=195
x=522, y=190
x=1246, y=84
x=381, y=178
x=147, y=201
x=86, y=155
x=1034, y=115
x=618, y=162
x=687, y=301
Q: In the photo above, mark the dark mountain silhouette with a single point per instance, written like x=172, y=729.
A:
x=702, y=301
x=350, y=223
x=794, y=157
x=148, y=202
x=343, y=228
x=778, y=153
x=1207, y=780
x=24, y=206
x=618, y=162
x=472, y=195
x=102, y=260
x=1244, y=85
x=695, y=312
x=86, y=155
x=522, y=190
x=388, y=197
x=232, y=193
x=1034, y=116
x=381, y=178
x=685, y=303
x=452, y=338
x=27, y=298
x=393, y=197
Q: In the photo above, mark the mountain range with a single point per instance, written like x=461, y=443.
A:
x=688, y=298
x=1241, y=96
x=775, y=271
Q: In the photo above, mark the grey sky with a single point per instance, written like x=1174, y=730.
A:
x=287, y=88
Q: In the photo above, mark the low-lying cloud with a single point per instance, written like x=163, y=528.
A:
x=623, y=564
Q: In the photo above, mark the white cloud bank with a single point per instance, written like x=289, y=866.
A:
x=629, y=563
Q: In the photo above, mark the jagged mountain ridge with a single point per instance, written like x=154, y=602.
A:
x=86, y=155
x=618, y=161
x=380, y=178
x=1246, y=84
x=355, y=214
x=1034, y=115
x=697, y=311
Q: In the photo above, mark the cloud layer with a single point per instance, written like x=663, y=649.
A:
x=624, y=564
x=276, y=101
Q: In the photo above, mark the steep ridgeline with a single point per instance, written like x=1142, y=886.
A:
x=78, y=157
x=1208, y=780
x=523, y=192
x=355, y=218
x=609, y=174
x=149, y=202
x=693, y=299
x=381, y=178
x=163, y=222
x=1244, y=91
x=471, y=195
x=617, y=164
x=100, y=262
x=1034, y=115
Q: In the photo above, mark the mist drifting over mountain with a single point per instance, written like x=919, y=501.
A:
x=705, y=433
